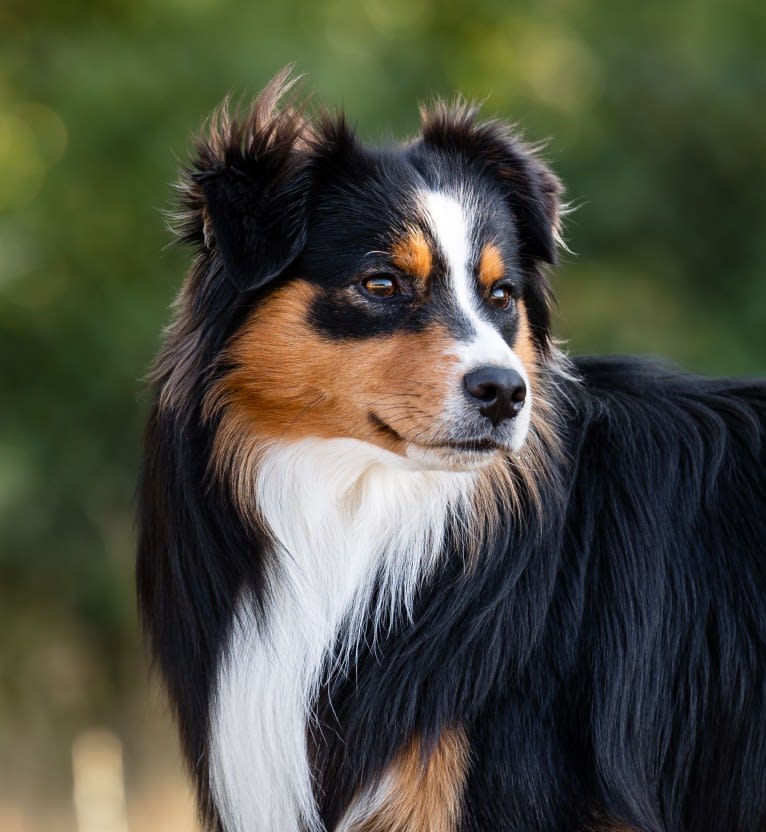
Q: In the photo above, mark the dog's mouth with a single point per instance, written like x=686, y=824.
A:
x=472, y=446
x=468, y=446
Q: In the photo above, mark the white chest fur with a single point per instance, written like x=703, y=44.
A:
x=344, y=514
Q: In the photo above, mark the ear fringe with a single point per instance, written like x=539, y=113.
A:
x=273, y=127
x=441, y=122
x=455, y=124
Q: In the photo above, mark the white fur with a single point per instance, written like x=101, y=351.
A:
x=368, y=803
x=342, y=512
x=450, y=225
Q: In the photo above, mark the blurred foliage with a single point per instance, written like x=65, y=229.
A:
x=657, y=123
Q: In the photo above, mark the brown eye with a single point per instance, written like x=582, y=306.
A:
x=500, y=297
x=381, y=286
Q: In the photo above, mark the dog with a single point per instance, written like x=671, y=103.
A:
x=404, y=566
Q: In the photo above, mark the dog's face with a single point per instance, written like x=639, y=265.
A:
x=409, y=311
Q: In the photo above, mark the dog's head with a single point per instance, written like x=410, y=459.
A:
x=393, y=296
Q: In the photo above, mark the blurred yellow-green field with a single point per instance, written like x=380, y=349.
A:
x=656, y=120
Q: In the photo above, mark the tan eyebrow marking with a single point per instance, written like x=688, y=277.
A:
x=412, y=254
x=491, y=265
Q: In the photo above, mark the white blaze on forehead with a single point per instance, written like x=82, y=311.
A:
x=451, y=227
x=450, y=220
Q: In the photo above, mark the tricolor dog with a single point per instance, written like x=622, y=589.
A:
x=404, y=566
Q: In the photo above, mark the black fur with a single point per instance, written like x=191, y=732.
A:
x=607, y=655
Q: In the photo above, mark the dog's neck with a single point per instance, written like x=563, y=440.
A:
x=351, y=513
x=349, y=524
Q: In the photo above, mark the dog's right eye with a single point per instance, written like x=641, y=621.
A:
x=382, y=286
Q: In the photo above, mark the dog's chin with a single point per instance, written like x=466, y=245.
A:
x=451, y=453
x=463, y=456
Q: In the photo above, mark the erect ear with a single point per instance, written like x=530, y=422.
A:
x=246, y=194
x=531, y=190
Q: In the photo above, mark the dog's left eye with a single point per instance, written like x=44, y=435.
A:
x=382, y=286
x=501, y=297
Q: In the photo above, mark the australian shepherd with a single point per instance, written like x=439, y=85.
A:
x=405, y=566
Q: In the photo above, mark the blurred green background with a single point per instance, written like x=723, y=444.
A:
x=657, y=123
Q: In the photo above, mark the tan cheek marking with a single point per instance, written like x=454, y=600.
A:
x=491, y=266
x=422, y=794
x=524, y=345
x=288, y=382
x=407, y=379
x=412, y=254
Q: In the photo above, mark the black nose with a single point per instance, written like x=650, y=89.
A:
x=499, y=392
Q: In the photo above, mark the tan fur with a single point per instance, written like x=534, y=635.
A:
x=412, y=254
x=523, y=344
x=422, y=792
x=289, y=382
x=491, y=266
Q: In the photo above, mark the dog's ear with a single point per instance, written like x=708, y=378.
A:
x=258, y=222
x=245, y=196
x=532, y=192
